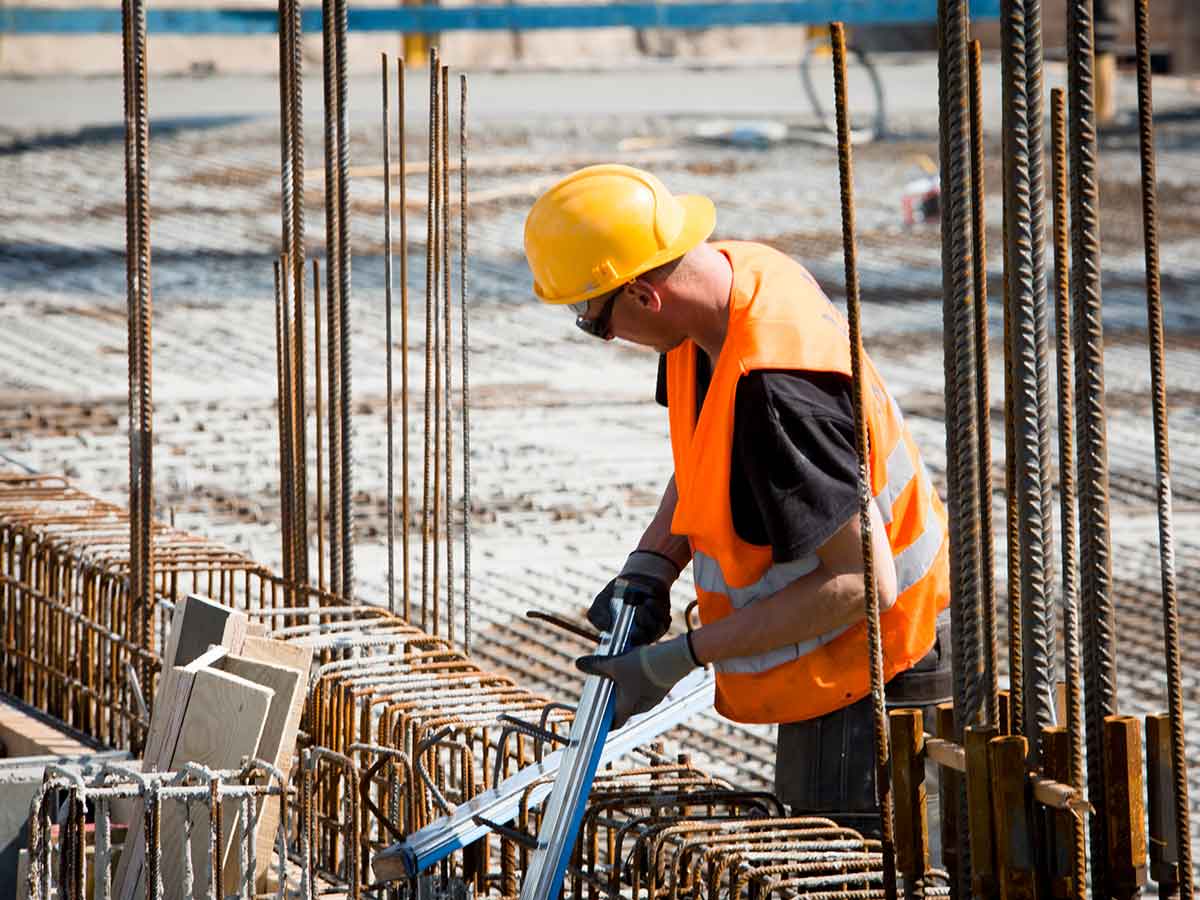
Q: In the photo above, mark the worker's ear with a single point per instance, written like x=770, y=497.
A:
x=645, y=294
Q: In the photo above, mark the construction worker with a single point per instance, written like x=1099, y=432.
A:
x=755, y=375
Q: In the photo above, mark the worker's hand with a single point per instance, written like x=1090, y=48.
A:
x=648, y=577
x=642, y=676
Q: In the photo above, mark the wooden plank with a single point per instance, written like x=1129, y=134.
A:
x=27, y=733
x=224, y=723
x=279, y=733
x=199, y=623
x=171, y=703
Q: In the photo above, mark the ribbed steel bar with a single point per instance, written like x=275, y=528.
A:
x=404, y=496
x=285, y=496
x=960, y=394
x=464, y=221
x=1027, y=294
x=344, y=358
x=983, y=407
x=141, y=425
x=1095, y=558
x=387, y=319
x=287, y=423
x=316, y=282
x=1162, y=450
x=132, y=255
x=871, y=596
x=439, y=298
x=430, y=287
x=447, y=348
x=1066, y=474
x=291, y=180
x=332, y=290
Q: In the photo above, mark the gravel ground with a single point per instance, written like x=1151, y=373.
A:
x=568, y=450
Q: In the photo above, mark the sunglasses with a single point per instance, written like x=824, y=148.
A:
x=599, y=326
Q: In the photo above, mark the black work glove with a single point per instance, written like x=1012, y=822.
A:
x=648, y=577
x=643, y=676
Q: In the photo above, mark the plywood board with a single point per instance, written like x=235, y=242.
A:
x=277, y=742
x=199, y=623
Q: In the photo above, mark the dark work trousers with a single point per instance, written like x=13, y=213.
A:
x=826, y=766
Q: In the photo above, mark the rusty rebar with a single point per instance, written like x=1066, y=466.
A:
x=871, y=596
x=316, y=276
x=439, y=298
x=344, y=256
x=141, y=422
x=447, y=347
x=291, y=132
x=464, y=220
x=430, y=285
x=332, y=292
x=983, y=407
x=404, y=497
x=283, y=412
x=1066, y=474
x=387, y=318
x=1026, y=284
x=1162, y=450
x=1095, y=558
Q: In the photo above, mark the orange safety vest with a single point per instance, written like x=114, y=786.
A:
x=780, y=319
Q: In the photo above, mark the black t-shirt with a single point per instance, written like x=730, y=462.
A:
x=793, y=479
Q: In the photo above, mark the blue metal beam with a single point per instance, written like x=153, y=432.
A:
x=430, y=19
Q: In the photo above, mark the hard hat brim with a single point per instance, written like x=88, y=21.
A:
x=699, y=220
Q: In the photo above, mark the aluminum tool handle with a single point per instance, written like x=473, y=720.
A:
x=564, y=809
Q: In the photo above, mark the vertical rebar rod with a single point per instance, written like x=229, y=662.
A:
x=1162, y=450
x=404, y=499
x=285, y=450
x=430, y=284
x=983, y=390
x=960, y=392
x=292, y=240
x=291, y=356
x=438, y=300
x=316, y=275
x=344, y=360
x=1095, y=559
x=871, y=596
x=1012, y=510
x=141, y=488
x=1066, y=474
x=1026, y=291
x=387, y=318
x=464, y=221
x=447, y=345
x=332, y=288
x=132, y=256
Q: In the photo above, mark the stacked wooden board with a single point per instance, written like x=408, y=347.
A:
x=224, y=697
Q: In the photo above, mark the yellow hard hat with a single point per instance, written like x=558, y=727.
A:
x=603, y=226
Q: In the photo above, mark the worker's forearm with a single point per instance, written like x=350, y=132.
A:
x=830, y=596
x=809, y=607
x=658, y=538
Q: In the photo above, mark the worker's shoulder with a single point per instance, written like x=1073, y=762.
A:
x=795, y=392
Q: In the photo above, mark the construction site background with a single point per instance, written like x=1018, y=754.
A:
x=1175, y=35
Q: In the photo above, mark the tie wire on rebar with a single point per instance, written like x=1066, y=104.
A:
x=883, y=782
x=1162, y=470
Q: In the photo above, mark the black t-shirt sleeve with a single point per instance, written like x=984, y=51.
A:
x=794, y=477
